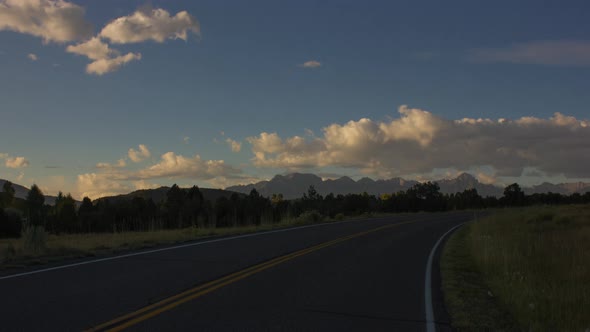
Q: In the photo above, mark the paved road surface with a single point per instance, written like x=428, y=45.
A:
x=350, y=276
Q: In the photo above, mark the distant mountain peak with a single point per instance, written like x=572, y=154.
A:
x=466, y=177
x=366, y=180
x=345, y=179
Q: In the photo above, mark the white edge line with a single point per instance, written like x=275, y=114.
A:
x=174, y=247
x=430, y=325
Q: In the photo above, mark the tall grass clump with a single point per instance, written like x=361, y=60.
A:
x=34, y=239
x=536, y=262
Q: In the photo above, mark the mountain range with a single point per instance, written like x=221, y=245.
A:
x=296, y=184
x=159, y=194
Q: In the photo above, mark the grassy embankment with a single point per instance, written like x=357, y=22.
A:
x=19, y=252
x=520, y=269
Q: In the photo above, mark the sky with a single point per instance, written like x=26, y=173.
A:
x=105, y=97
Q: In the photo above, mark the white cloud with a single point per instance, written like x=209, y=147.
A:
x=550, y=52
x=234, y=145
x=103, y=66
x=62, y=21
x=52, y=20
x=106, y=60
x=32, y=57
x=266, y=143
x=96, y=185
x=142, y=184
x=53, y=184
x=116, y=179
x=419, y=142
x=120, y=164
x=186, y=140
x=16, y=162
x=150, y=24
x=172, y=165
x=486, y=178
x=142, y=25
x=311, y=64
x=139, y=155
x=224, y=182
x=92, y=48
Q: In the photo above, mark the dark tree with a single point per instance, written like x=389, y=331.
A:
x=425, y=196
x=194, y=205
x=35, y=201
x=468, y=199
x=513, y=195
x=174, y=203
x=62, y=215
x=312, y=200
x=86, y=214
x=7, y=194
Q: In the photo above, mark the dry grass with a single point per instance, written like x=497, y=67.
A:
x=466, y=295
x=17, y=252
x=14, y=252
x=536, y=262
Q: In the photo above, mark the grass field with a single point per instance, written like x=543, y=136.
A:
x=13, y=252
x=525, y=269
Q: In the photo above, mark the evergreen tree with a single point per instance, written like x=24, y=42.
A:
x=34, y=202
x=7, y=194
x=85, y=213
x=513, y=195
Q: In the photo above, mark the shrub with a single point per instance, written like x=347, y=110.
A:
x=310, y=216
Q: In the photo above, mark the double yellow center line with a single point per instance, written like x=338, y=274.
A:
x=133, y=318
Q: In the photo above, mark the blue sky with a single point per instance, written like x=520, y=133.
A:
x=238, y=73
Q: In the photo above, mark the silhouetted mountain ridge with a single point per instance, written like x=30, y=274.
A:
x=159, y=194
x=294, y=185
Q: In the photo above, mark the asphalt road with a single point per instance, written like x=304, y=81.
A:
x=350, y=276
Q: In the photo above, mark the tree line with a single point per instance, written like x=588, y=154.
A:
x=188, y=208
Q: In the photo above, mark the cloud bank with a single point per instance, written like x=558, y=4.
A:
x=420, y=142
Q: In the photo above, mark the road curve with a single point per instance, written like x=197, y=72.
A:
x=364, y=275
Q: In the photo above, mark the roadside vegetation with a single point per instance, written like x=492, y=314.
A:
x=32, y=231
x=37, y=246
x=521, y=269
